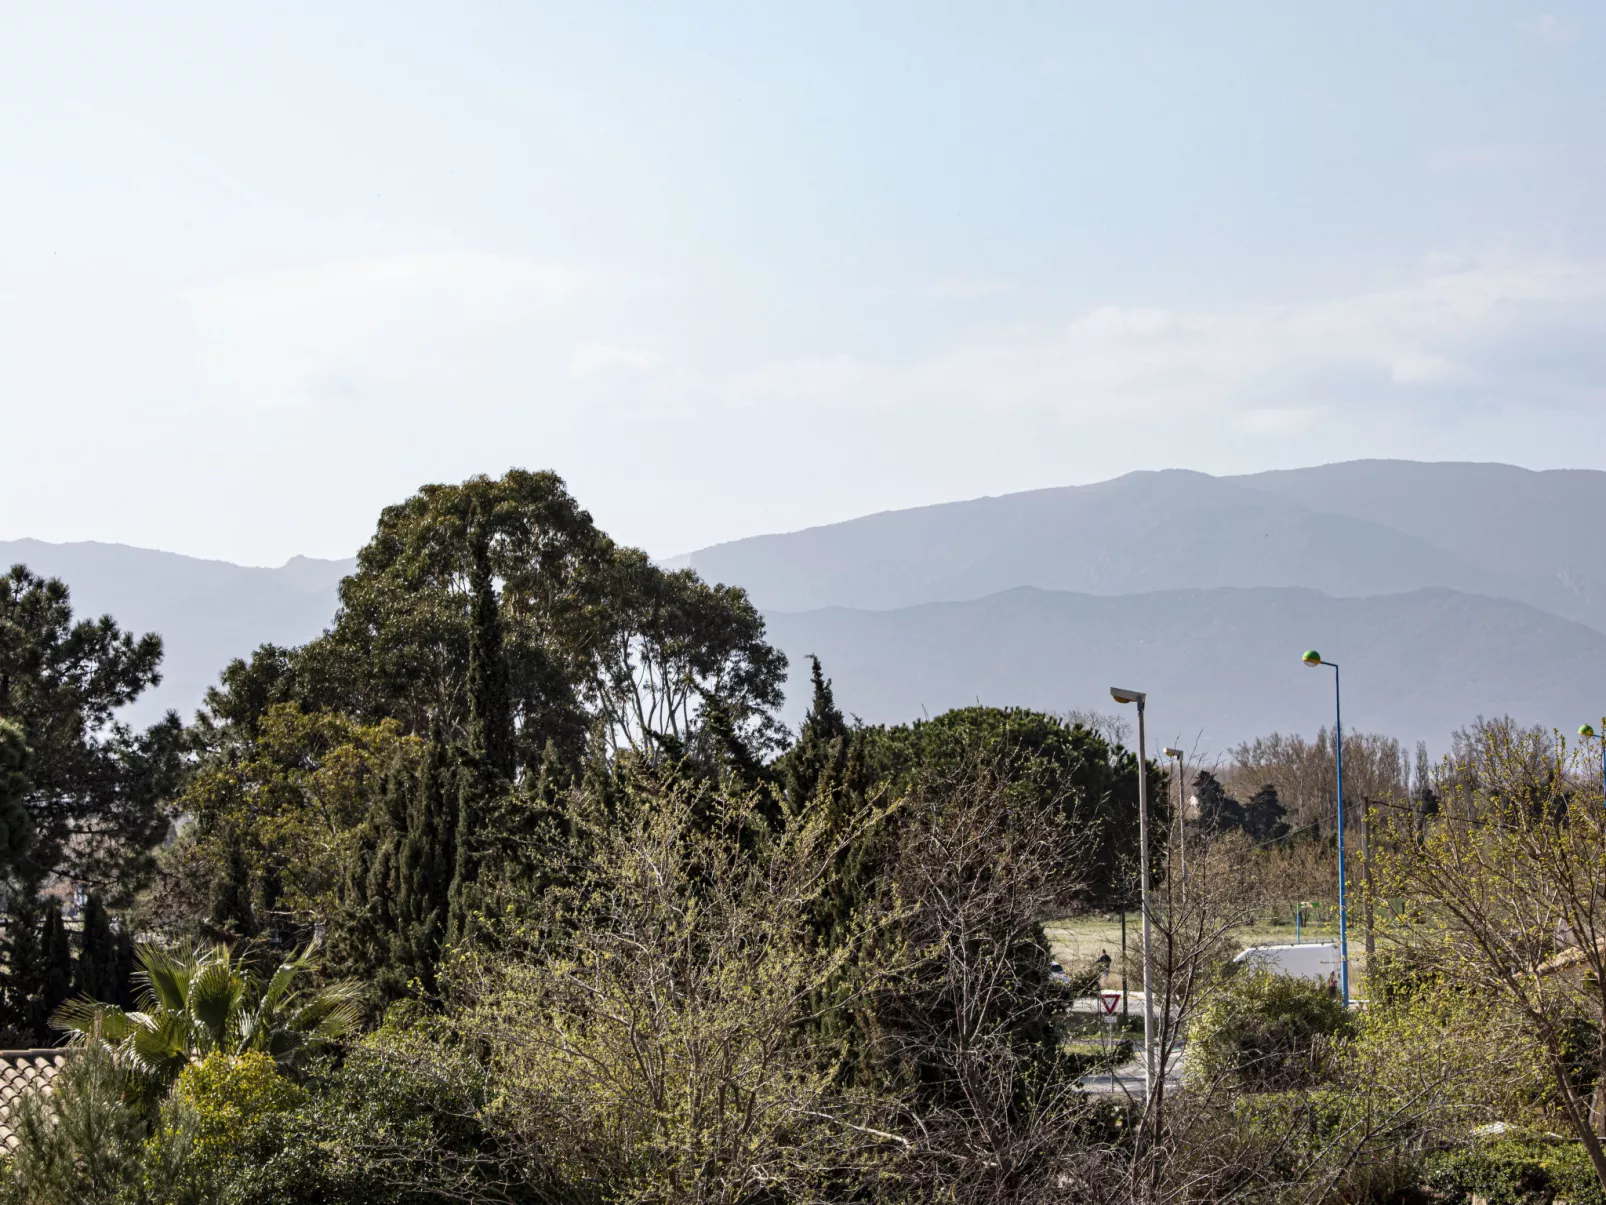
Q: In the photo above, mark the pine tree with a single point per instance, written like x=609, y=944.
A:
x=1263, y=815
x=16, y=829
x=95, y=975
x=1219, y=812
x=55, y=978
x=232, y=916
x=425, y=867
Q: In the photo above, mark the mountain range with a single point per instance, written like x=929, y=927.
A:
x=1444, y=590
x=207, y=612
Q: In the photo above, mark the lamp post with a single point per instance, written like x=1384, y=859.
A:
x=1313, y=658
x=1182, y=811
x=1587, y=731
x=1121, y=695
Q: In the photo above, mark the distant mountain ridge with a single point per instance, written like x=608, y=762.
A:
x=1446, y=590
x=1358, y=528
x=206, y=612
x=1220, y=665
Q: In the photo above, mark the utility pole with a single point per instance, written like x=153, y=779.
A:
x=1123, y=959
x=1122, y=695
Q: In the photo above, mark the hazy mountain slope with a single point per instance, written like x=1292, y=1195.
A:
x=1220, y=665
x=1144, y=531
x=206, y=611
x=1178, y=581
x=1543, y=525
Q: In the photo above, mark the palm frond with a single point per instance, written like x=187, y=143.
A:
x=88, y=1020
x=216, y=993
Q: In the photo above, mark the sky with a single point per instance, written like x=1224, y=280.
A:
x=738, y=268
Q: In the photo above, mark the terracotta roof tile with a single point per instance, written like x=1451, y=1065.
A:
x=24, y=1071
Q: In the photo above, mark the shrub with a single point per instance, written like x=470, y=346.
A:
x=228, y=1097
x=1516, y=1171
x=1450, y=1057
x=80, y=1146
x=1325, y=1142
x=1264, y=1032
x=398, y=1122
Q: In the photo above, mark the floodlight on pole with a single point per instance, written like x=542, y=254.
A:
x=1182, y=812
x=1122, y=695
x=1313, y=659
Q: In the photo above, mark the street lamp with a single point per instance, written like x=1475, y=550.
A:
x=1587, y=731
x=1121, y=695
x=1182, y=811
x=1312, y=658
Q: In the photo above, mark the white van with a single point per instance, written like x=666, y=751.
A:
x=1308, y=960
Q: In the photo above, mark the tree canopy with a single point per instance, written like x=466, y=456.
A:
x=94, y=787
x=596, y=639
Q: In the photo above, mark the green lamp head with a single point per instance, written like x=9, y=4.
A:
x=1586, y=730
x=1311, y=657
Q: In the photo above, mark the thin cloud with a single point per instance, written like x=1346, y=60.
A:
x=1547, y=29
x=342, y=329
x=1470, y=158
x=967, y=288
x=591, y=358
x=1456, y=331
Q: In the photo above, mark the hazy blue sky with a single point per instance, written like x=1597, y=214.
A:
x=739, y=268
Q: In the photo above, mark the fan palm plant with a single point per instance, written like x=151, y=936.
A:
x=193, y=1001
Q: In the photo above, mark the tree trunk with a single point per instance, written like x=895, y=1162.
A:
x=1366, y=872
x=1581, y=1126
x=1597, y=1101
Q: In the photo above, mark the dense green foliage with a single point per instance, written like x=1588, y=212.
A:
x=61, y=683
x=1091, y=784
x=1516, y=1171
x=1267, y=1032
x=16, y=826
x=39, y=966
x=592, y=633
x=193, y=1003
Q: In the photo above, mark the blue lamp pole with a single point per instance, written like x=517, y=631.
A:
x=1313, y=658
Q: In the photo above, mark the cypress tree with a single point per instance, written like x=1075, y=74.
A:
x=24, y=960
x=728, y=755
x=821, y=749
x=425, y=866
x=491, y=754
x=490, y=699
x=95, y=975
x=364, y=927
x=464, y=895
x=232, y=916
x=123, y=965
x=55, y=979
x=272, y=889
